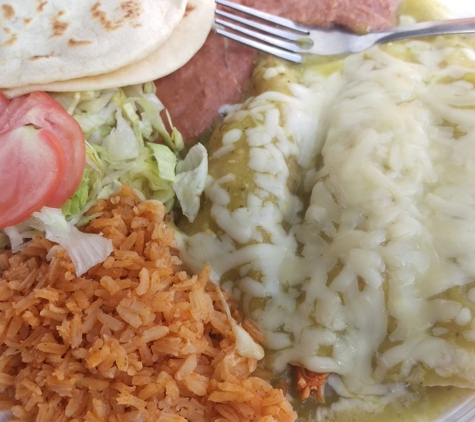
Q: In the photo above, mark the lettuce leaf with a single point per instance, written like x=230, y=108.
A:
x=166, y=161
x=84, y=249
x=190, y=180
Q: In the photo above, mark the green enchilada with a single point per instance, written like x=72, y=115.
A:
x=338, y=210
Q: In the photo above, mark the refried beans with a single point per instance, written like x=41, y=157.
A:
x=219, y=72
x=216, y=75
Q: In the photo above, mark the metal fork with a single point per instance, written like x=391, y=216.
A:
x=295, y=39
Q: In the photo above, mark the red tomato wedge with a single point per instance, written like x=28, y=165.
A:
x=3, y=103
x=40, y=110
x=32, y=164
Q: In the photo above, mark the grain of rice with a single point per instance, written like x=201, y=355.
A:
x=76, y=331
x=150, y=390
x=56, y=316
x=171, y=418
x=47, y=293
x=110, y=322
x=6, y=380
x=144, y=284
x=129, y=242
x=128, y=316
x=4, y=265
x=134, y=339
x=154, y=333
x=186, y=368
x=110, y=284
x=54, y=349
x=28, y=281
x=196, y=383
x=99, y=408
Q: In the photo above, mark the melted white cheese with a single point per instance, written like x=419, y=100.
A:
x=390, y=216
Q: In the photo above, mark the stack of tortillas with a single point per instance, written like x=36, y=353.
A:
x=52, y=45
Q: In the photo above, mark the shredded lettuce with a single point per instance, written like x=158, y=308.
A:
x=18, y=236
x=121, y=127
x=190, y=180
x=74, y=205
x=121, y=143
x=166, y=161
x=84, y=249
x=15, y=238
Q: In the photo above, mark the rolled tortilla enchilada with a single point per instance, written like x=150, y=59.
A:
x=373, y=278
x=254, y=190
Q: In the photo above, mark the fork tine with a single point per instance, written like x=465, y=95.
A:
x=261, y=37
x=261, y=27
x=293, y=57
x=287, y=23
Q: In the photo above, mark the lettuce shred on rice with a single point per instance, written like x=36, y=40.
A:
x=134, y=339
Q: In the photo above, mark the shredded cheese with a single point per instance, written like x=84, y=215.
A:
x=361, y=278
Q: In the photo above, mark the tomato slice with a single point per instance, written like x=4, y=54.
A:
x=32, y=164
x=3, y=103
x=39, y=109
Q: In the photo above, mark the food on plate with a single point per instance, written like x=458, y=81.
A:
x=33, y=165
x=43, y=156
x=333, y=203
x=338, y=210
x=40, y=110
x=236, y=171
x=218, y=74
x=126, y=142
x=42, y=41
x=119, y=126
x=134, y=339
x=311, y=384
x=186, y=39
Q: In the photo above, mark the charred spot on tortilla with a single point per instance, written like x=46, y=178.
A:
x=77, y=43
x=130, y=12
x=101, y=17
x=26, y=21
x=40, y=5
x=46, y=56
x=8, y=11
x=189, y=8
x=58, y=27
x=13, y=39
x=131, y=9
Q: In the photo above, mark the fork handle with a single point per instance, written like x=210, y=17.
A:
x=423, y=29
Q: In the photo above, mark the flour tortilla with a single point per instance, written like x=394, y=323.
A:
x=185, y=41
x=46, y=41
